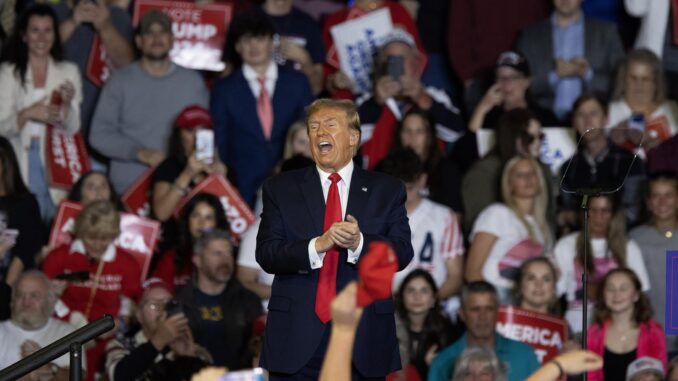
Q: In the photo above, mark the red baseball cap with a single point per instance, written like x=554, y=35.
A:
x=194, y=116
x=375, y=273
x=155, y=282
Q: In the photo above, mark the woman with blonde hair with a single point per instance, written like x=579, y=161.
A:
x=608, y=247
x=112, y=278
x=506, y=234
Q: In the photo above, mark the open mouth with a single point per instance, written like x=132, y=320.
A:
x=324, y=147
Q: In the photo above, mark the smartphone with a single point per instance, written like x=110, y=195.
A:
x=9, y=233
x=78, y=276
x=173, y=307
x=256, y=374
x=395, y=66
x=204, y=145
x=637, y=121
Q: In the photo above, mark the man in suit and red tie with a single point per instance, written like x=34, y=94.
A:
x=316, y=224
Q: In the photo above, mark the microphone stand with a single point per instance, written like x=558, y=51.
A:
x=586, y=194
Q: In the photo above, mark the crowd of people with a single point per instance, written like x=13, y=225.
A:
x=489, y=227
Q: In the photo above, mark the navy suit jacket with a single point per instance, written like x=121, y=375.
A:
x=238, y=134
x=293, y=214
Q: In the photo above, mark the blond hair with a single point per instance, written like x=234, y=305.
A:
x=346, y=105
x=295, y=128
x=540, y=202
x=99, y=219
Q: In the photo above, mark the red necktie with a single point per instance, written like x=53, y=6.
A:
x=327, y=281
x=264, y=109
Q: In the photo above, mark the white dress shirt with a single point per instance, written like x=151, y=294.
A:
x=315, y=258
x=252, y=79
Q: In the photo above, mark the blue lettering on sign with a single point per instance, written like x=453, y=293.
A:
x=360, y=59
x=671, y=314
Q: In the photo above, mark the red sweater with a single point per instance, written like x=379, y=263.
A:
x=651, y=342
x=120, y=276
x=166, y=270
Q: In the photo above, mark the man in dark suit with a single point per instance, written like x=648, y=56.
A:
x=254, y=107
x=298, y=244
x=584, y=56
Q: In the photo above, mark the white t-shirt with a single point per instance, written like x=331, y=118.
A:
x=12, y=336
x=436, y=236
x=569, y=282
x=512, y=247
x=247, y=255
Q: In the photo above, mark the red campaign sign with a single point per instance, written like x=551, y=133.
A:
x=238, y=214
x=65, y=153
x=66, y=156
x=545, y=333
x=138, y=235
x=99, y=65
x=199, y=31
x=137, y=197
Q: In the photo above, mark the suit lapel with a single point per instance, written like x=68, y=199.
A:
x=359, y=193
x=313, y=195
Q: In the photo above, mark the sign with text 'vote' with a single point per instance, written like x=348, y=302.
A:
x=199, y=31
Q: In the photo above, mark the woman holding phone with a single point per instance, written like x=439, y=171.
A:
x=192, y=156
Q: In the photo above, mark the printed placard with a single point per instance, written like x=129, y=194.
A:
x=558, y=146
x=137, y=198
x=99, y=64
x=238, y=214
x=66, y=157
x=138, y=235
x=356, y=41
x=199, y=31
x=545, y=333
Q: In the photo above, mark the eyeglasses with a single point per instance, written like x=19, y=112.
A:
x=156, y=305
x=529, y=138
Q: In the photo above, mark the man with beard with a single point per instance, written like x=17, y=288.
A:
x=139, y=103
x=220, y=310
x=479, y=308
x=32, y=328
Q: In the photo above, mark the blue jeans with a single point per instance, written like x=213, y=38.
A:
x=37, y=182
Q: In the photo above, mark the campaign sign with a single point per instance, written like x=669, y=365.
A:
x=558, y=146
x=137, y=198
x=66, y=157
x=99, y=64
x=138, y=235
x=357, y=41
x=199, y=31
x=671, y=314
x=238, y=214
x=545, y=333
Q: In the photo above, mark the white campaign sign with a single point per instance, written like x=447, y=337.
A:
x=557, y=147
x=357, y=41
